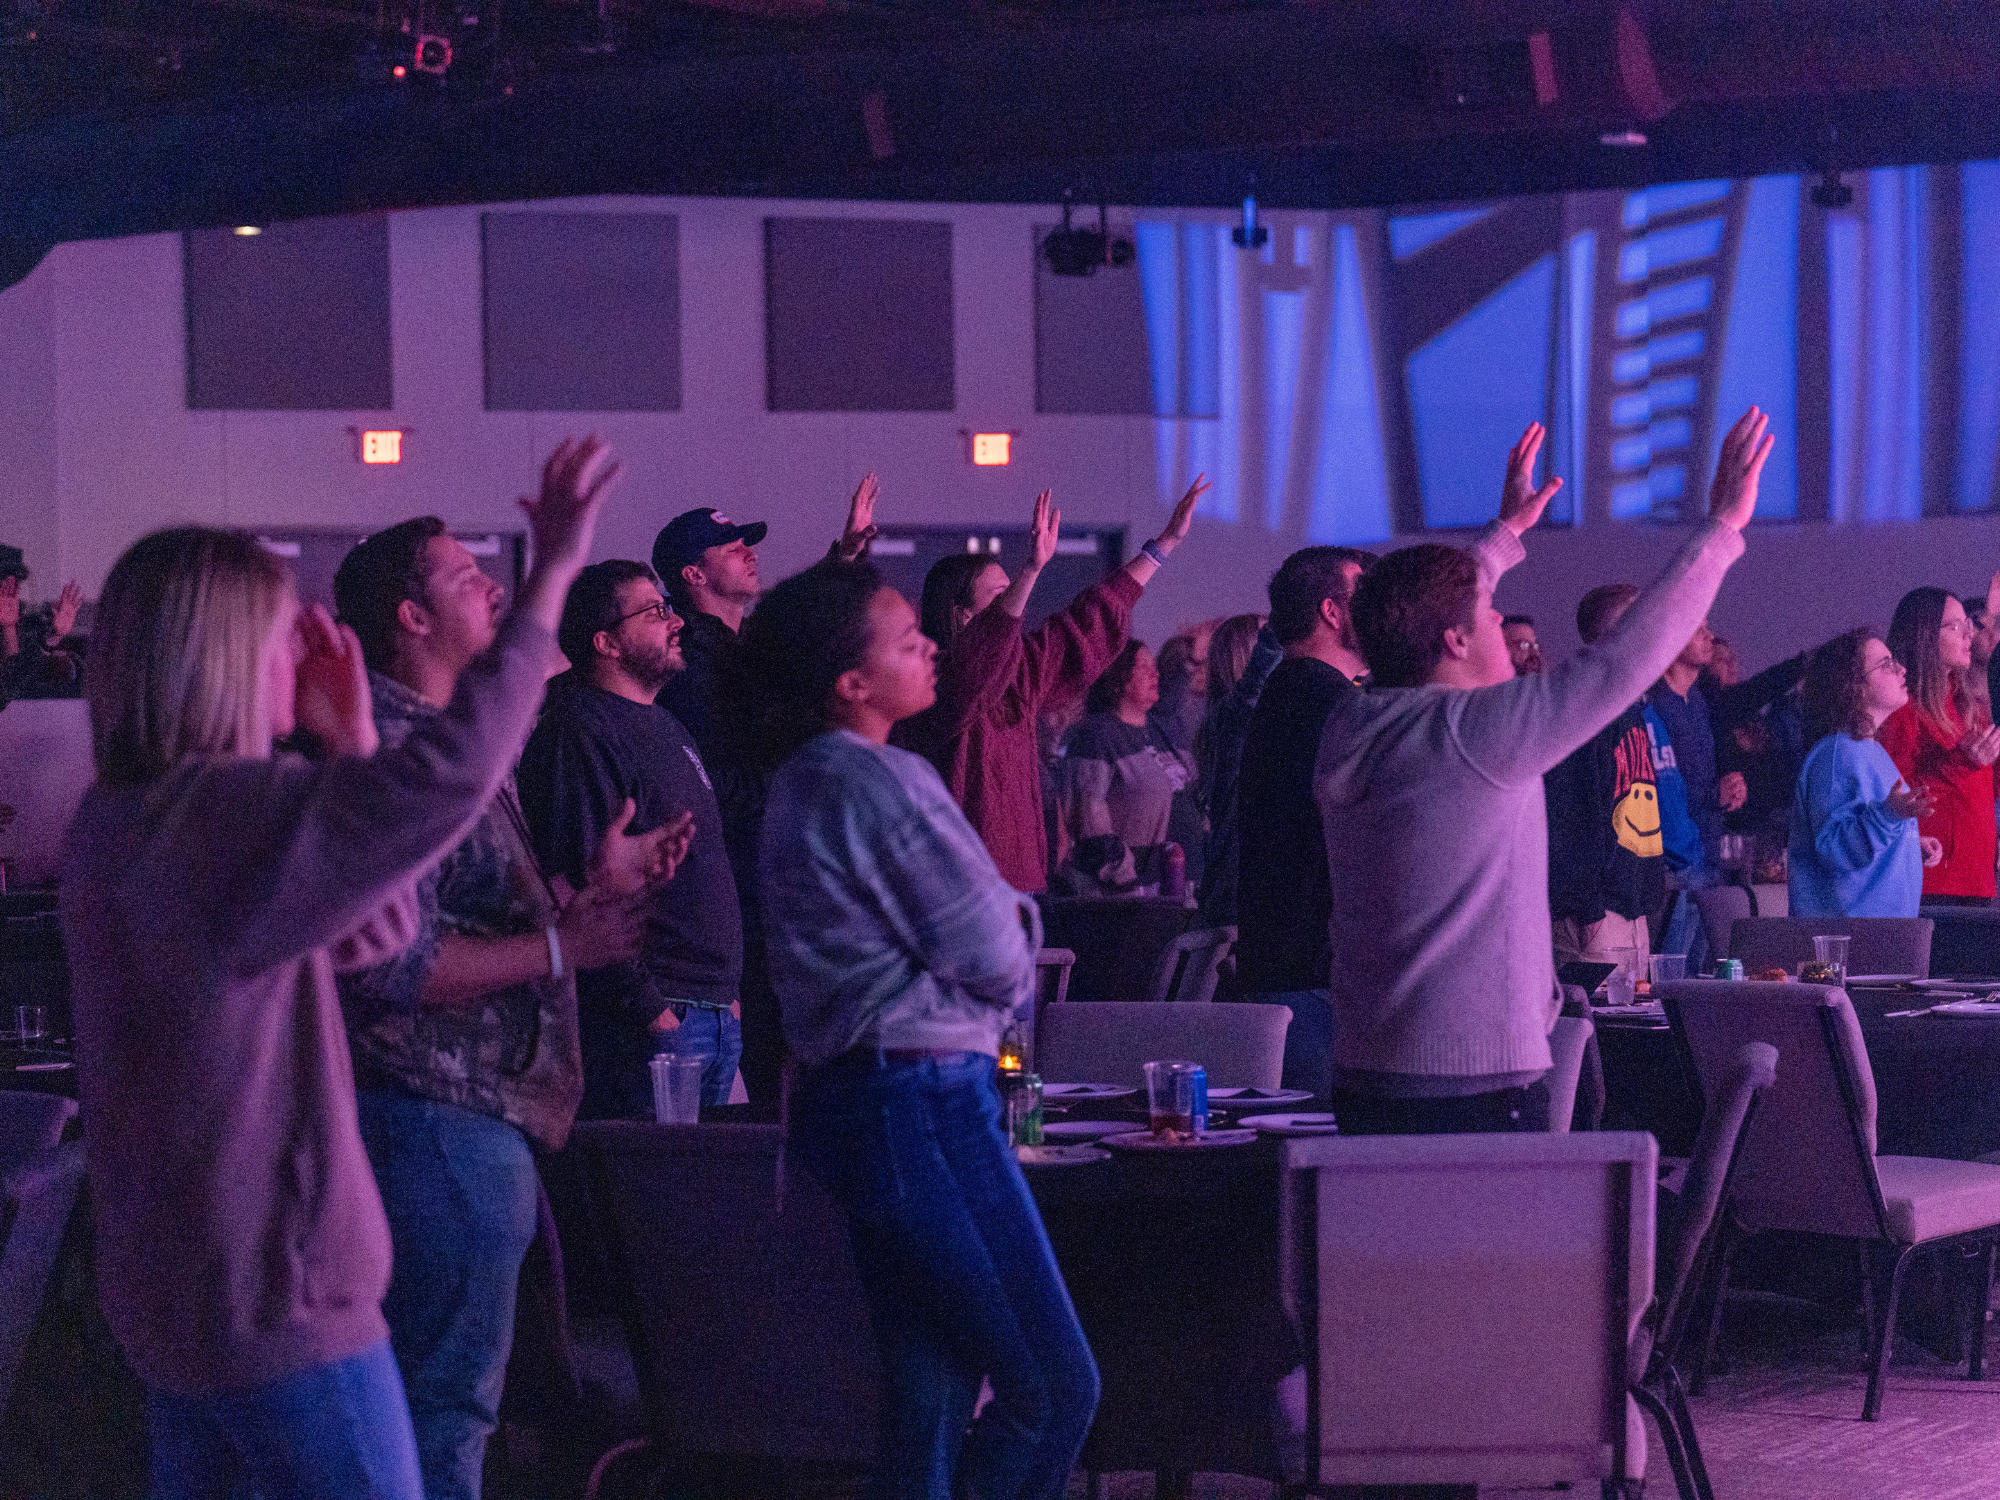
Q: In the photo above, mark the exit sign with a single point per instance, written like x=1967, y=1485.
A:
x=383, y=447
x=992, y=450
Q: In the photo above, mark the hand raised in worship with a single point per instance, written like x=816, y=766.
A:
x=1904, y=803
x=860, y=528
x=563, y=518
x=1182, y=520
x=628, y=863
x=1732, y=791
x=1043, y=531
x=1521, y=504
x=63, y=619
x=1981, y=746
x=331, y=700
x=1732, y=499
x=601, y=927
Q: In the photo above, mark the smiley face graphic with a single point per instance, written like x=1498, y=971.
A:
x=1636, y=821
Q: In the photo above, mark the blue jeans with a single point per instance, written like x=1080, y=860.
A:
x=338, y=1431
x=714, y=1035
x=459, y=1188
x=1308, y=1040
x=960, y=1279
x=1684, y=934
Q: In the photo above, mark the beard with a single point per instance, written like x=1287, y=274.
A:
x=650, y=667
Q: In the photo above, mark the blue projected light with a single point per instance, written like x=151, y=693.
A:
x=1463, y=412
x=1666, y=248
x=1760, y=360
x=1642, y=208
x=1350, y=482
x=1416, y=232
x=1978, y=335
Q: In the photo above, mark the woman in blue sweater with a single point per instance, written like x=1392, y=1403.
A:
x=899, y=954
x=1854, y=847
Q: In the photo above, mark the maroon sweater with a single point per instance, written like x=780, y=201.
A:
x=992, y=685
x=240, y=1237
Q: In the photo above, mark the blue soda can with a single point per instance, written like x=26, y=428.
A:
x=1200, y=1113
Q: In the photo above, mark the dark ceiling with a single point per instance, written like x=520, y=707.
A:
x=125, y=116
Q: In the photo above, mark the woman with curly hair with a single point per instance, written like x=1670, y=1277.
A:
x=1854, y=845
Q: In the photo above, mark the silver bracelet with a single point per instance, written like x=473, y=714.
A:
x=1152, y=550
x=555, y=951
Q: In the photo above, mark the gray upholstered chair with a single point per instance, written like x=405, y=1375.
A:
x=1808, y=1161
x=30, y=1124
x=1240, y=1045
x=1501, y=1277
x=1881, y=945
x=1721, y=907
x=1190, y=964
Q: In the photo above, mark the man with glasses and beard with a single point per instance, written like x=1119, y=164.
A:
x=603, y=739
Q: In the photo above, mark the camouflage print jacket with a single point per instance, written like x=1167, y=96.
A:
x=512, y=1054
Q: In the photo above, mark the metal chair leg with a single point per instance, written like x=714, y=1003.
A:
x=1725, y=1251
x=1975, y=1364
x=1677, y=1403
x=1878, y=1373
x=1670, y=1439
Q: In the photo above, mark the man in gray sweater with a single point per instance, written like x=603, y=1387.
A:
x=1430, y=791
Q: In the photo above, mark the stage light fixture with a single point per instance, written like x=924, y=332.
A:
x=1832, y=192
x=1081, y=252
x=433, y=55
x=248, y=230
x=1249, y=235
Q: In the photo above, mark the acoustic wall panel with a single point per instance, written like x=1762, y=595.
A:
x=858, y=315
x=293, y=318
x=582, y=312
x=1092, y=353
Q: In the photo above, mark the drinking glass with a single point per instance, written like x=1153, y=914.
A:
x=1170, y=1099
x=677, y=1089
x=31, y=1022
x=1669, y=968
x=1831, y=950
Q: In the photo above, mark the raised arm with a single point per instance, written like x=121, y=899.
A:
x=1521, y=728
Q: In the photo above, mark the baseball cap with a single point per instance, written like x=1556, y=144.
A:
x=683, y=539
x=12, y=563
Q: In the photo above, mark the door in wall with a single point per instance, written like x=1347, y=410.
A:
x=1084, y=554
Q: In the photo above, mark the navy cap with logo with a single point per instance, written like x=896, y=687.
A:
x=12, y=563
x=683, y=540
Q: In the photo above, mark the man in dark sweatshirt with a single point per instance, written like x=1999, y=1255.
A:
x=601, y=740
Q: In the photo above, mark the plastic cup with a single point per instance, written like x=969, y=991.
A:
x=1669, y=968
x=31, y=1022
x=1170, y=1099
x=677, y=1089
x=1831, y=950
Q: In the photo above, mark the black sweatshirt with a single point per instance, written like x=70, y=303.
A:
x=1605, y=852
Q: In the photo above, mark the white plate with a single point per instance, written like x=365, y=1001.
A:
x=1145, y=1140
x=1950, y=986
x=1088, y=1091
x=1974, y=1007
x=1883, y=978
x=1645, y=1010
x=1071, y=1155
x=1310, y=1124
x=1085, y=1130
x=1238, y=1095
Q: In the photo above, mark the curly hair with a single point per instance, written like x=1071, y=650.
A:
x=1836, y=683
x=803, y=634
x=1405, y=604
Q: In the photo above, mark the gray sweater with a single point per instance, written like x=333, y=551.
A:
x=887, y=921
x=1437, y=838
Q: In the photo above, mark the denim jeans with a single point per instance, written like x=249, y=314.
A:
x=1308, y=1040
x=338, y=1431
x=459, y=1188
x=1684, y=934
x=714, y=1035
x=1503, y=1111
x=960, y=1280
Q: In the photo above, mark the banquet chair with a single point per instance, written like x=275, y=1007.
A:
x=1721, y=907
x=1240, y=1045
x=1881, y=945
x=1502, y=1276
x=37, y=1196
x=30, y=1124
x=1809, y=1163
x=1189, y=965
x=1568, y=1040
x=748, y=1329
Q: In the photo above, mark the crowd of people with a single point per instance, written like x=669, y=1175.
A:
x=366, y=908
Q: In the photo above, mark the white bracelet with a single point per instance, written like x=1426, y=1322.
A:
x=555, y=951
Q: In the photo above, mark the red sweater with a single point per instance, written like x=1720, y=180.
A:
x=992, y=685
x=1927, y=754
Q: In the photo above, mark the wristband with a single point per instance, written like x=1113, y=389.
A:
x=555, y=951
x=1152, y=550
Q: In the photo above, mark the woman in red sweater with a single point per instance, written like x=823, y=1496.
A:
x=1944, y=742
x=994, y=677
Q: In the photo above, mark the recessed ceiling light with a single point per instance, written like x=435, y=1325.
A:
x=248, y=229
x=1622, y=138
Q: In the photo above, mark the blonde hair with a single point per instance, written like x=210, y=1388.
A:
x=177, y=649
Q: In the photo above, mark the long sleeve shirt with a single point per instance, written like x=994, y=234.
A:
x=1849, y=855
x=992, y=685
x=240, y=1236
x=1690, y=724
x=888, y=922
x=1437, y=838
x=1220, y=771
x=1927, y=754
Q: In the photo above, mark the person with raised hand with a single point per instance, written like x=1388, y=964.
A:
x=994, y=678
x=211, y=890
x=1442, y=983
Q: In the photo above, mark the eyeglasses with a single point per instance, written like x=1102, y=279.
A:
x=659, y=610
x=1963, y=626
x=1888, y=664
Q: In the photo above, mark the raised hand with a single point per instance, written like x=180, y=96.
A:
x=1182, y=520
x=860, y=528
x=1043, y=531
x=1981, y=746
x=1521, y=504
x=1732, y=499
x=331, y=700
x=627, y=863
x=1904, y=803
x=63, y=620
x=563, y=518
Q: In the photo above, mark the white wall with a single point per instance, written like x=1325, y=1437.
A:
x=97, y=446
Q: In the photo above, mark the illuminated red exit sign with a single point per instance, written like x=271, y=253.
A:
x=992, y=450
x=382, y=447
